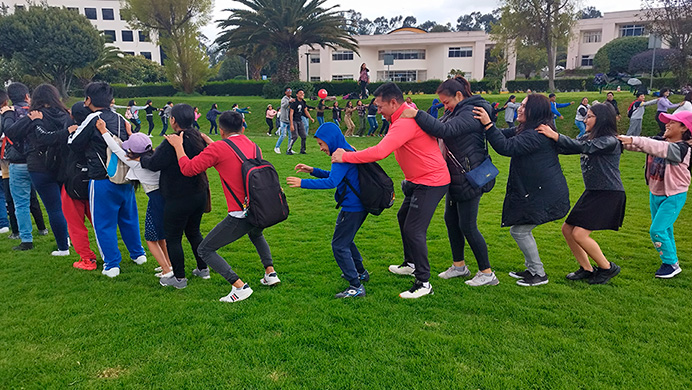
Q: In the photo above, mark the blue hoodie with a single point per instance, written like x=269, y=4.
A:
x=434, y=109
x=330, y=133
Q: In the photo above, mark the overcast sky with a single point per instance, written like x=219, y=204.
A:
x=440, y=11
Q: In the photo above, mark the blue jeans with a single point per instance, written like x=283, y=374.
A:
x=345, y=251
x=20, y=187
x=320, y=120
x=164, y=120
x=306, y=125
x=283, y=129
x=49, y=191
x=581, y=126
x=372, y=120
x=4, y=222
x=664, y=213
x=337, y=122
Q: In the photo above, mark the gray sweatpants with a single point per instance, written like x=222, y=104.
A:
x=635, y=128
x=524, y=238
x=227, y=231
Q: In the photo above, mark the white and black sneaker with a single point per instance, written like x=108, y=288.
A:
x=403, y=269
x=533, y=280
x=520, y=274
x=418, y=290
x=237, y=294
x=270, y=279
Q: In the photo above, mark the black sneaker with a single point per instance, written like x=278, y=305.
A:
x=520, y=274
x=289, y=153
x=579, y=274
x=364, y=277
x=533, y=280
x=24, y=246
x=602, y=276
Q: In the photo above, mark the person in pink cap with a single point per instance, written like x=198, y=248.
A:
x=131, y=150
x=668, y=176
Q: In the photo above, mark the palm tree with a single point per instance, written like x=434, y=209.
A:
x=286, y=25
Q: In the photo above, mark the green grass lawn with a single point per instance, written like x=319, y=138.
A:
x=66, y=328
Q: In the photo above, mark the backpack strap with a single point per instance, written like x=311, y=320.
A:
x=342, y=196
x=240, y=204
x=236, y=149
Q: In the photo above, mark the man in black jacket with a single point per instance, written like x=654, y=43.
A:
x=116, y=205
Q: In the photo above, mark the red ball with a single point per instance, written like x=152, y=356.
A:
x=322, y=93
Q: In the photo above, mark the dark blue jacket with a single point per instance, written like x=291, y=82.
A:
x=330, y=133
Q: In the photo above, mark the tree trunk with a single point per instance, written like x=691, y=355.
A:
x=287, y=65
x=550, y=50
x=61, y=84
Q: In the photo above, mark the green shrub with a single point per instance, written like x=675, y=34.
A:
x=272, y=90
x=234, y=88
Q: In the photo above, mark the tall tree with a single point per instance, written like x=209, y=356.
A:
x=672, y=21
x=544, y=22
x=287, y=25
x=178, y=24
x=476, y=21
x=530, y=59
x=108, y=55
x=50, y=42
x=590, y=13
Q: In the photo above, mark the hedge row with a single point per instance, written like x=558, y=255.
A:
x=339, y=88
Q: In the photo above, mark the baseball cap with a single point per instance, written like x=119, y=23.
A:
x=137, y=143
x=684, y=117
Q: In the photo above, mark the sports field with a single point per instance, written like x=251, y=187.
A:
x=66, y=328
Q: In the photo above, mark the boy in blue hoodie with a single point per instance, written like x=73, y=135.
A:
x=352, y=214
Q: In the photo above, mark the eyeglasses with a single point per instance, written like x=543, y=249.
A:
x=590, y=116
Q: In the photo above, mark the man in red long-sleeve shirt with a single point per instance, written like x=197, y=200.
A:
x=427, y=179
x=221, y=156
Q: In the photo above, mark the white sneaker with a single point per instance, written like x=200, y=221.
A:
x=150, y=136
x=111, y=273
x=401, y=269
x=455, y=272
x=60, y=253
x=277, y=150
x=158, y=269
x=140, y=260
x=270, y=279
x=482, y=279
x=4, y=230
x=237, y=294
x=162, y=275
x=418, y=290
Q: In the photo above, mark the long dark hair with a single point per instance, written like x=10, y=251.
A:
x=688, y=97
x=213, y=106
x=131, y=103
x=450, y=87
x=510, y=99
x=536, y=112
x=606, y=121
x=46, y=95
x=364, y=66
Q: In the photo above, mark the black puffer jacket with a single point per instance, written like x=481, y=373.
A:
x=465, y=138
x=88, y=140
x=536, y=188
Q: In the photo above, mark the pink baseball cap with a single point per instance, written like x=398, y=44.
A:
x=684, y=117
x=137, y=143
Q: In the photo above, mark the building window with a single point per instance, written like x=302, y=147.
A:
x=90, y=13
x=73, y=9
x=314, y=59
x=401, y=75
x=631, y=30
x=127, y=36
x=129, y=53
x=110, y=35
x=143, y=37
x=146, y=54
x=19, y=8
x=315, y=78
x=107, y=14
x=592, y=36
x=457, y=52
x=343, y=55
x=413, y=54
x=341, y=77
x=586, y=60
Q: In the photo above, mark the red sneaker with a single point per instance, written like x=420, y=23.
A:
x=88, y=265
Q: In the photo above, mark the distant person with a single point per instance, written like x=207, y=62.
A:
x=555, y=105
x=320, y=112
x=636, y=114
x=298, y=109
x=434, y=109
x=336, y=113
x=363, y=80
x=352, y=214
x=284, y=120
x=149, y=110
x=242, y=112
x=165, y=117
x=348, y=112
x=269, y=115
x=211, y=117
x=133, y=116
x=195, y=124
x=427, y=180
x=537, y=191
x=372, y=117
x=686, y=103
x=668, y=177
x=663, y=106
x=362, y=117
x=410, y=102
x=511, y=106
x=580, y=116
x=610, y=99
x=224, y=159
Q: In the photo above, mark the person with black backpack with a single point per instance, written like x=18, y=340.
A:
x=343, y=177
x=44, y=133
x=464, y=140
x=224, y=157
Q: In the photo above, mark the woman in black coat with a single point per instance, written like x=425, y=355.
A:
x=464, y=139
x=536, y=188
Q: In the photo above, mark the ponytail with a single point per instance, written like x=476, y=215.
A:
x=450, y=87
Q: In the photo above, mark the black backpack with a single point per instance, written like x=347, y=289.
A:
x=630, y=109
x=265, y=201
x=376, y=188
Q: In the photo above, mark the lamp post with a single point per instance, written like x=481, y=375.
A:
x=307, y=65
x=654, y=43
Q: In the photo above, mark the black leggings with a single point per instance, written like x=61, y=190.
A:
x=150, y=119
x=661, y=125
x=460, y=218
x=137, y=125
x=183, y=214
x=270, y=124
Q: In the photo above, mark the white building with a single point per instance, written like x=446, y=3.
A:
x=106, y=17
x=418, y=56
x=589, y=35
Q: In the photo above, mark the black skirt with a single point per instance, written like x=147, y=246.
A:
x=598, y=210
